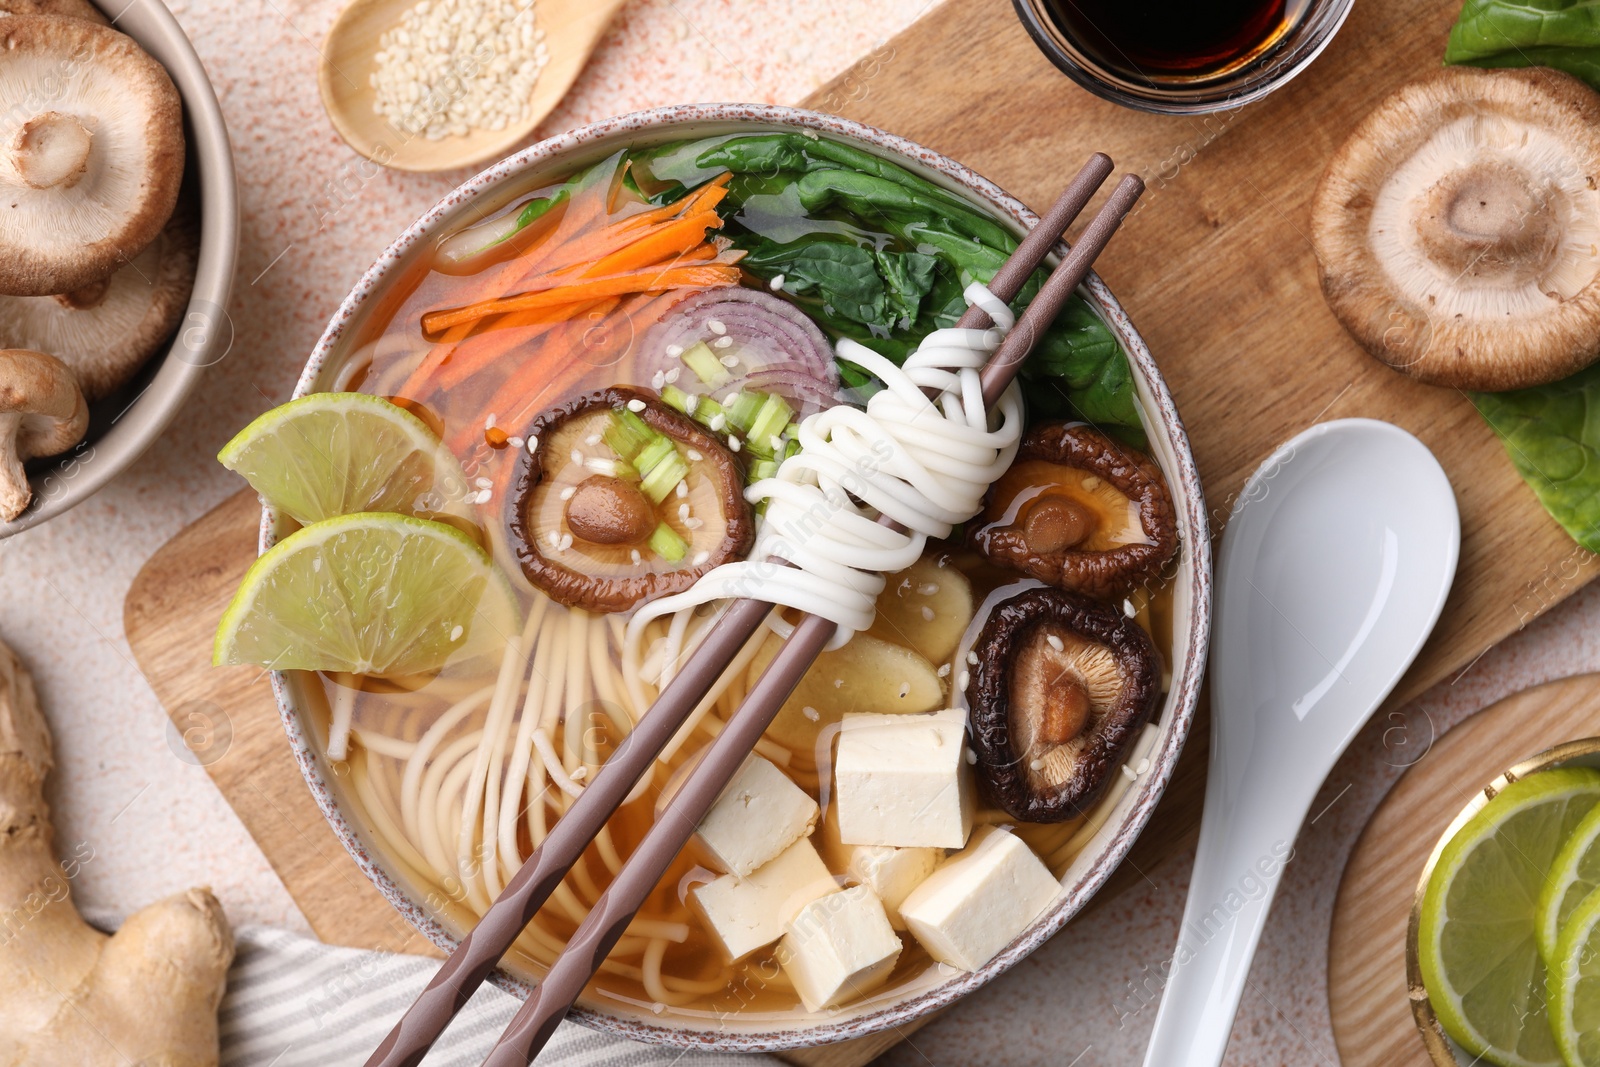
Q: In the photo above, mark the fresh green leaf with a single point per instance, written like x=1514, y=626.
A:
x=1583, y=63
x=843, y=277
x=1552, y=434
x=908, y=277
x=1078, y=370
x=1493, y=28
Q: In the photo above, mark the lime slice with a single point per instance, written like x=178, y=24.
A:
x=1575, y=985
x=333, y=454
x=1476, y=936
x=370, y=593
x=1574, y=875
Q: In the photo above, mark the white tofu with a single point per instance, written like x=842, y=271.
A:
x=889, y=872
x=903, y=781
x=760, y=814
x=979, y=899
x=838, y=948
x=751, y=913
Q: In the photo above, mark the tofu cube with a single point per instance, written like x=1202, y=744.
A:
x=760, y=814
x=838, y=948
x=903, y=781
x=979, y=899
x=889, y=872
x=752, y=912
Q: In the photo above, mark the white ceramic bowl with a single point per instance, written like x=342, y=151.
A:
x=1192, y=608
x=126, y=423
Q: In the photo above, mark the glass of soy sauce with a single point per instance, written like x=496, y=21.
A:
x=1182, y=56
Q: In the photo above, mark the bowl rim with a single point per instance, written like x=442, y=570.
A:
x=1188, y=669
x=205, y=327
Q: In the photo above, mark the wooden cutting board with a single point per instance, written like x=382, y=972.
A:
x=1372, y=1022
x=1215, y=270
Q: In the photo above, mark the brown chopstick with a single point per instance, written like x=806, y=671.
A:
x=467, y=967
x=549, y=1003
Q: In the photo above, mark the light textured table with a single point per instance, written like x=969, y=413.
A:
x=314, y=216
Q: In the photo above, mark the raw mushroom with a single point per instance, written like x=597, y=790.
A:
x=72, y=9
x=1079, y=511
x=42, y=413
x=1458, y=229
x=1061, y=688
x=624, y=499
x=90, y=175
x=108, y=329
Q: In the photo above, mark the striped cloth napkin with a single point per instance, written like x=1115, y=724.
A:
x=294, y=1002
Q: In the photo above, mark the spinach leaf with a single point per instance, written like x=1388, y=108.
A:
x=1552, y=434
x=1502, y=28
x=1078, y=371
x=907, y=276
x=842, y=276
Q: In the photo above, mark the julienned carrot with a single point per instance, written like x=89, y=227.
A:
x=661, y=243
x=431, y=362
x=481, y=350
x=706, y=276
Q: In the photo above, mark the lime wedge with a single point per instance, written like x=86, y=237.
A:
x=333, y=454
x=371, y=593
x=1575, y=985
x=1476, y=938
x=1574, y=875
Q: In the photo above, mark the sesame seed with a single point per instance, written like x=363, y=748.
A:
x=928, y=588
x=488, y=423
x=566, y=542
x=1144, y=765
x=483, y=496
x=811, y=713
x=1091, y=482
x=1038, y=765
x=1127, y=772
x=576, y=456
x=672, y=375
x=719, y=422
x=1056, y=642
x=682, y=490
x=733, y=443
x=568, y=492
x=972, y=657
x=694, y=455
x=693, y=524
x=838, y=683
x=700, y=558
x=533, y=442
x=657, y=1007
x=456, y=632
x=730, y=360
x=927, y=613
x=483, y=483
x=1128, y=609
x=683, y=512
x=944, y=670
x=905, y=690
x=658, y=379
x=716, y=327
x=972, y=757
x=776, y=284
x=636, y=405
x=554, y=537
x=580, y=774
x=515, y=442
x=962, y=679
x=776, y=442
x=607, y=467
x=592, y=440
x=692, y=404
x=674, y=350
x=731, y=399
x=634, y=555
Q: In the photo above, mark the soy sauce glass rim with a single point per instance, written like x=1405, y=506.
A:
x=1277, y=66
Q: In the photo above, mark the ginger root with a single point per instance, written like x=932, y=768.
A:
x=68, y=993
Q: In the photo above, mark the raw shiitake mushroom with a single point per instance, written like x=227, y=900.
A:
x=624, y=499
x=1061, y=688
x=1458, y=229
x=1078, y=511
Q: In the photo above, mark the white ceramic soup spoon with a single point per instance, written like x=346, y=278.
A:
x=1333, y=569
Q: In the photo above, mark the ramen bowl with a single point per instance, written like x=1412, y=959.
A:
x=302, y=703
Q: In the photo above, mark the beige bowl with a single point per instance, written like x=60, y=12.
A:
x=125, y=423
x=936, y=987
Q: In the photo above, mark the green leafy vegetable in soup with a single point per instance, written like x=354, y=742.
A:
x=878, y=254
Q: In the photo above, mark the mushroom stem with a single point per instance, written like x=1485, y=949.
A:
x=51, y=151
x=42, y=413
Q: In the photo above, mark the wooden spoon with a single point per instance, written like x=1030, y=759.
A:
x=571, y=28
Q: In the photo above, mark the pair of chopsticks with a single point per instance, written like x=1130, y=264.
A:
x=502, y=924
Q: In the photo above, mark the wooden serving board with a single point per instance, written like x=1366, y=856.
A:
x=1215, y=270
x=1372, y=1022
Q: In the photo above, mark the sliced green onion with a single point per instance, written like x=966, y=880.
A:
x=628, y=433
x=653, y=453
x=705, y=364
x=662, y=479
x=679, y=400
x=771, y=419
x=666, y=543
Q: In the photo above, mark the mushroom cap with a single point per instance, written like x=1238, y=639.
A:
x=91, y=163
x=1458, y=229
x=42, y=413
x=602, y=576
x=1035, y=649
x=71, y=9
x=1143, y=538
x=107, y=330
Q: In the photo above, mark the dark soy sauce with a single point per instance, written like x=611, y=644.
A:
x=1171, y=38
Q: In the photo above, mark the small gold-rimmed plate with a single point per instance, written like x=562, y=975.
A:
x=1584, y=752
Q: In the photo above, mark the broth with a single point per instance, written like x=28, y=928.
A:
x=456, y=778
